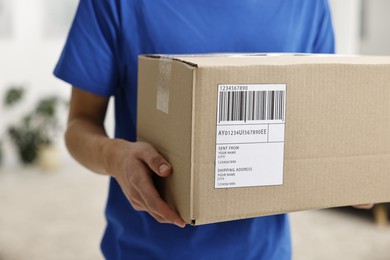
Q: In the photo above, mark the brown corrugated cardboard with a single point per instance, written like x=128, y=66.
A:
x=335, y=150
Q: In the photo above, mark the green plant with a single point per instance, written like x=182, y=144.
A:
x=13, y=96
x=27, y=143
x=36, y=128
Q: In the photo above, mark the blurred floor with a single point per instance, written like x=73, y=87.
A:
x=339, y=234
x=51, y=215
x=60, y=216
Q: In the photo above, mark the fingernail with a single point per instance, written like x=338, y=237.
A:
x=163, y=168
x=180, y=224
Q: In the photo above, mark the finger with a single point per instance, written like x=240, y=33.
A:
x=137, y=205
x=156, y=206
x=133, y=197
x=158, y=217
x=136, y=201
x=160, y=208
x=364, y=206
x=156, y=162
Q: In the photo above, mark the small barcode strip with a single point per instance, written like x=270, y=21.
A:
x=251, y=105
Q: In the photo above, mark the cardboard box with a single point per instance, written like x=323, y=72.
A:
x=254, y=135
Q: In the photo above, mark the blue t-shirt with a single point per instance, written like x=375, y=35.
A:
x=100, y=56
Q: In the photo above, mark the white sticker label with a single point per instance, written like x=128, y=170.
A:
x=250, y=135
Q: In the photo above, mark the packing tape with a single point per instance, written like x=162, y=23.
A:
x=164, y=70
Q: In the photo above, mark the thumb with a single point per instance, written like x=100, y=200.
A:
x=164, y=170
x=157, y=163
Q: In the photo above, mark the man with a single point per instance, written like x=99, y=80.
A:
x=100, y=60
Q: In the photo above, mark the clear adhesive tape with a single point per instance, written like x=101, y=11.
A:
x=164, y=68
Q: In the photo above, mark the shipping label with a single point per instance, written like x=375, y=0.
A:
x=250, y=135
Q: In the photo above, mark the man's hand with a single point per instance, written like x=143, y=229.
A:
x=132, y=165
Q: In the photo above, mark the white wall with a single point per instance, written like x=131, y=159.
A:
x=346, y=16
x=361, y=26
x=376, y=27
x=28, y=56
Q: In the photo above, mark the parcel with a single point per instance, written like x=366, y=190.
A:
x=253, y=135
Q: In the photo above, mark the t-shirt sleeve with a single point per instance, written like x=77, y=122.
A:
x=89, y=58
x=325, y=42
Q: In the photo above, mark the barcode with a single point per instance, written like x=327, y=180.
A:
x=251, y=105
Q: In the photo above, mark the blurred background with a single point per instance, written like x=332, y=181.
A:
x=51, y=208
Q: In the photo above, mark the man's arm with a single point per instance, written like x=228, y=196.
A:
x=130, y=163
